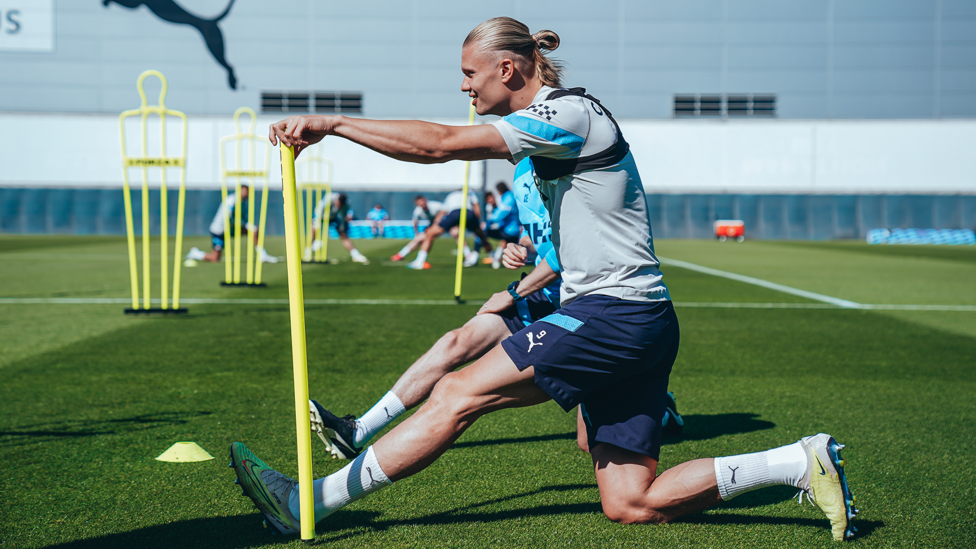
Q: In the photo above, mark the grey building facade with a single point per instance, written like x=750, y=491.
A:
x=817, y=59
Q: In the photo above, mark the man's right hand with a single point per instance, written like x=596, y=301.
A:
x=514, y=256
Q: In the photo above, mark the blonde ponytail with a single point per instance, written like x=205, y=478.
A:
x=504, y=34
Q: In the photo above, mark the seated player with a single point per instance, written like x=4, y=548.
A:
x=502, y=223
x=217, y=230
x=451, y=220
x=377, y=217
x=426, y=210
x=346, y=436
x=339, y=217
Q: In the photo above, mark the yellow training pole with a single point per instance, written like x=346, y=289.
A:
x=296, y=305
x=464, y=221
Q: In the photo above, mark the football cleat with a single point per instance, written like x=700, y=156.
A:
x=418, y=266
x=471, y=259
x=673, y=424
x=396, y=257
x=267, y=488
x=825, y=484
x=338, y=433
x=360, y=259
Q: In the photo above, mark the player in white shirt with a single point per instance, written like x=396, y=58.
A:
x=217, y=230
x=609, y=348
x=451, y=222
x=430, y=211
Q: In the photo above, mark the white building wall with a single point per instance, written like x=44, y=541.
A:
x=674, y=156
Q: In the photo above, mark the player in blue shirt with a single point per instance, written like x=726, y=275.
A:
x=377, y=217
x=502, y=223
x=609, y=348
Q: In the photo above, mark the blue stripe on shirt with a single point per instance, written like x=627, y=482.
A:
x=553, y=134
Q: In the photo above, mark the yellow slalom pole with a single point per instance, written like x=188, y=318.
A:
x=296, y=305
x=464, y=221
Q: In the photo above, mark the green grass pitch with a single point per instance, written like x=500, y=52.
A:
x=90, y=397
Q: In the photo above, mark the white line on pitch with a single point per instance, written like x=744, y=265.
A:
x=764, y=283
x=283, y=301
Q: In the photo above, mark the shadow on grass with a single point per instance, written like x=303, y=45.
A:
x=864, y=527
x=697, y=427
x=70, y=429
x=246, y=531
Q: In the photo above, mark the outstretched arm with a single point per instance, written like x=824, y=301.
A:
x=406, y=140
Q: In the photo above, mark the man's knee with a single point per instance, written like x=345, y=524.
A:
x=451, y=394
x=626, y=510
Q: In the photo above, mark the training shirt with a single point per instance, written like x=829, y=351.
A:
x=320, y=209
x=505, y=213
x=534, y=219
x=601, y=227
x=433, y=208
x=454, y=200
x=377, y=215
x=217, y=225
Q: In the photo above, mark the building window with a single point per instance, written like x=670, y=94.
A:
x=319, y=101
x=724, y=106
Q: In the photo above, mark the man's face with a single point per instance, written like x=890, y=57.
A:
x=485, y=76
x=244, y=193
x=421, y=202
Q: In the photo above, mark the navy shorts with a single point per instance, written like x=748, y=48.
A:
x=453, y=219
x=217, y=241
x=535, y=306
x=610, y=356
x=508, y=233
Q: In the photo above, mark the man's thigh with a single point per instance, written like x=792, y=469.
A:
x=494, y=382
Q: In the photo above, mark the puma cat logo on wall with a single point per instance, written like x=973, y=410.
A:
x=169, y=10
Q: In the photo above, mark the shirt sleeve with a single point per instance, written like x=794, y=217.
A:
x=554, y=129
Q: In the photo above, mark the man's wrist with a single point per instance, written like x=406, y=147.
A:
x=513, y=291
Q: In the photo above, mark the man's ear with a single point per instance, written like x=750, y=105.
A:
x=506, y=68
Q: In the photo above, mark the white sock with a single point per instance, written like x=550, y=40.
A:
x=740, y=474
x=467, y=250
x=378, y=417
x=355, y=253
x=405, y=251
x=421, y=256
x=498, y=253
x=196, y=253
x=354, y=481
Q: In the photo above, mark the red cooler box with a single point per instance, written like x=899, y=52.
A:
x=730, y=228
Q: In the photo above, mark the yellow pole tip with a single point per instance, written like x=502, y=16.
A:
x=185, y=452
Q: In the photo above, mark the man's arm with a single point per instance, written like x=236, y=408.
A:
x=406, y=140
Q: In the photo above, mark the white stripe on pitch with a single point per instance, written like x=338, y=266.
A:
x=283, y=301
x=764, y=283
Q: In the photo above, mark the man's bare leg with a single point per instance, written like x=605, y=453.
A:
x=459, y=398
x=452, y=350
x=631, y=494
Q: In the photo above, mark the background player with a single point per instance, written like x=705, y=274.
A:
x=502, y=223
x=339, y=217
x=611, y=345
x=430, y=211
x=217, y=230
x=451, y=220
x=378, y=216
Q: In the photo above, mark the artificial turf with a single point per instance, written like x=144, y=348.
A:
x=90, y=397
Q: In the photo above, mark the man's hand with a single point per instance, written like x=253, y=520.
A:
x=302, y=131
x=497, y=303
x=514, y=256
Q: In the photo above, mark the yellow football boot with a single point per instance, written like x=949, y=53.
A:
x=826, y=485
